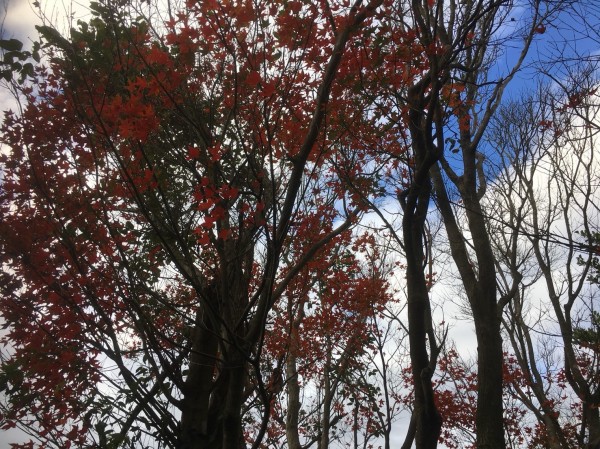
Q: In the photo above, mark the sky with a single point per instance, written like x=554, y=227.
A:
x=18, y=19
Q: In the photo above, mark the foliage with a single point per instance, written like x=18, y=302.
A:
x=184, y=257
x=15, y=60
x=592, y=240
x=165, y=185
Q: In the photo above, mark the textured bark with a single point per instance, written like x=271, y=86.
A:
x=428, y=420
x=593, y=420
x=293, y=388
x=214, y=387
x=483, y=300
x=326, y=416
x=293, y=404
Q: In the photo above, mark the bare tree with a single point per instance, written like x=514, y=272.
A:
x=545, y=204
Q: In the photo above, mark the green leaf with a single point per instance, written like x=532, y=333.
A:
x=27, y=70
x=11, y=44
x=53, y=37
x=10, y=56
x=6, y=74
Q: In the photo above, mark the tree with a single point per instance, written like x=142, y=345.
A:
x=545, y=197
x=181, y=185
x=446, y=100
x=319, y=341
x=151, y=183
x=456, y=394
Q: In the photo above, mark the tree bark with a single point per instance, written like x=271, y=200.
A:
x=293, y=388
x=480, y=288
x=415, y=205
x=194, y=432
x=428, y=420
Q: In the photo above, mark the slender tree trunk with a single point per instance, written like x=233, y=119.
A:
x=327, y=400
x=415, y=205
x=428, y=420
x=481, y=290
x=293, y=397
x=410, y=433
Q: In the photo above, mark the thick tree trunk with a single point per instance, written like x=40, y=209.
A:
x=198, y=385
x=489, y=417
x=555, y=438
x=232, y=428
x=592, y=416
x=211, y=412
x=213, y=395
x=484, y=304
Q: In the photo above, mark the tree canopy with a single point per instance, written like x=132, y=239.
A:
x=235, y=224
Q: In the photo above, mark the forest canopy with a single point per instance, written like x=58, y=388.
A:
x=263, y=224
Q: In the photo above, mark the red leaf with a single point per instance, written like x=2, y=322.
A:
x=268, y=89
x=253, y=78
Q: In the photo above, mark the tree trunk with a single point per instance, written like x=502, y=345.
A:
x=428, y=420
x=483, y=300
x=415, y=205
x=481, y=290
x=198, y=385
x=293, y=395
x=489, y=418
x=327, y=400
x=233, y=437
x=592, y=417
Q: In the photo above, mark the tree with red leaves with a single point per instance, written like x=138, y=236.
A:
x=152, y=186
x=179, y=198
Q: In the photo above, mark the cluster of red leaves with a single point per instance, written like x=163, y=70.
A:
x=53, y=250
x=331, y=304
x=334, y=294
